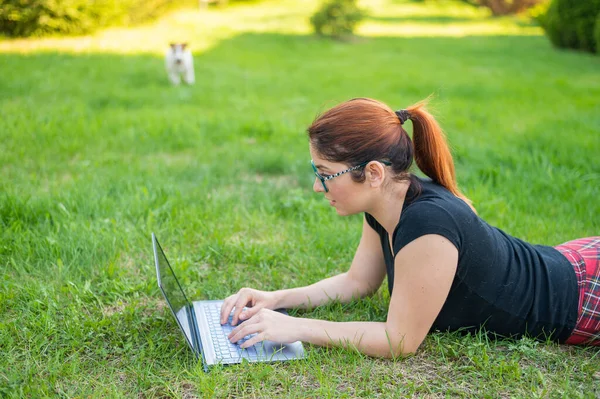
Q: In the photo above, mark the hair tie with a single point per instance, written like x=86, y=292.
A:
x=403, y=115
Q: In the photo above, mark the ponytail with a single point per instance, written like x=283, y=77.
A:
x=432, y=153
x=363, y=129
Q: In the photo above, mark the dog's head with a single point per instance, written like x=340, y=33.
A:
x=178, y=50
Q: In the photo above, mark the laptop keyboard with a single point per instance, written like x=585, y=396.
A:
x=224, y=349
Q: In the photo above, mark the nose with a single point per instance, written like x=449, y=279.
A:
x=317, y=186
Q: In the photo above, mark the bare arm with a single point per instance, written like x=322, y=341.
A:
x=424, y=271
x=363, y=278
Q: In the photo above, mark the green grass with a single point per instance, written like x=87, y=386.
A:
x=98, y=150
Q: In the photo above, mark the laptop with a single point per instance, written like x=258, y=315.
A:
x=200, y=324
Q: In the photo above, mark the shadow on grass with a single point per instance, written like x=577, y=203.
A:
x=430, y=19
x=258, y=92
x=266, y=88
x=283, y=66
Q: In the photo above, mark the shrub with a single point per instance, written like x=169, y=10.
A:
x=538, y=11
x=597, y=34
x=337, y=18
x=43, y=17
x=570, y=23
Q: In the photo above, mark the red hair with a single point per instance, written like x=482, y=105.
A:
x=363, y=129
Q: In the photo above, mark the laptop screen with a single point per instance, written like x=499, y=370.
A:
x=172, y=291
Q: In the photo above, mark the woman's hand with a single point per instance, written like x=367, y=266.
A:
x=267, y=325
x=255, y=300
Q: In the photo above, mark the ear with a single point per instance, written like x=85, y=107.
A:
x=172, y=45
x=374, y=173
x=183, y=46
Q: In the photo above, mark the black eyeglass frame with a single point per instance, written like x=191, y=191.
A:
x=324, y=178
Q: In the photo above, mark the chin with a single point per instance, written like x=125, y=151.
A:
x=341, y=212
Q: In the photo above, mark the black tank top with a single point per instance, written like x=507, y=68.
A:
x=508, y=286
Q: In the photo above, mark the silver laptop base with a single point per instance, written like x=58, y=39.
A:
x=218, y=350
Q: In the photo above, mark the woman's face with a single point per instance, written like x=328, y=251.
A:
x=344, y=193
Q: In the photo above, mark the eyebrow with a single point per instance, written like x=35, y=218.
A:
x=322, y=167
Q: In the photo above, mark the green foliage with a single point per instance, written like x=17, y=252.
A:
x=44, y=17
x=570, y=23
x=597, y=34
x=337, y=18
x=538, y=11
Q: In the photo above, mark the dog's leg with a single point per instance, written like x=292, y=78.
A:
x=190, y=78
x=174, y=78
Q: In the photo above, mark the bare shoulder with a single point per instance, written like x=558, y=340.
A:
x=423, y=273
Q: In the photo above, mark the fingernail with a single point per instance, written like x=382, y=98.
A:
x=243, y=316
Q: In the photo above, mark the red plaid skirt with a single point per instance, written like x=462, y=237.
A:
x=584, y=255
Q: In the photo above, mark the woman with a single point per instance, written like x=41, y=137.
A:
x=447, y=269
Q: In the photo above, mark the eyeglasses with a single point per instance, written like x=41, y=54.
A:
x=324, y=178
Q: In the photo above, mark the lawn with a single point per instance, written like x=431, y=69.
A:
x=98, y=150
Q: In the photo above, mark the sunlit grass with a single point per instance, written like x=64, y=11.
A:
x=206, y=27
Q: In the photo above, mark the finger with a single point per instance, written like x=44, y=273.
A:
x=254, y=320
x=254, y=340
x=226, y=308
x=243, y=331
x=242, y=300
x=249, y=312
x=234, y=331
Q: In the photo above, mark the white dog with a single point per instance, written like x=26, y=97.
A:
x=180, y=64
